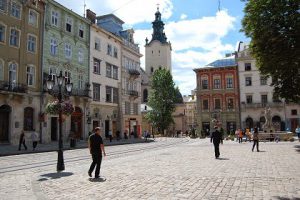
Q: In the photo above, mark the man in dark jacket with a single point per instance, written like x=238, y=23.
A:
x=216, y=138
x=96, y=148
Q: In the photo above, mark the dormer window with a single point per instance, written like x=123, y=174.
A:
x=69, y=25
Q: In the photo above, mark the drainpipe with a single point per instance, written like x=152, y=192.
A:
x=41, y=73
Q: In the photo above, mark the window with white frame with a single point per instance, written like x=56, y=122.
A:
x=264, y=99
x=115, y=52
x=217, y=83
x=31, y=43
x=204, y=83
x=12, y=74
x=68, y=50
x=14, y=37
x=69, y=23
x=115, y=72
x=1, y=70
x=97, y=44
x=53, y=74
x=53, y=46
x=96, y=66
x=67, y=76
x=81, y=31
x=229, y=82
x=54, y=18
x=80, y=55
x=108, y=70
x=80, y=81
x=15, y=9
x=2, y=33
x=96, y=92
x=3, y=5
x=109, y=49
x=108, y=94
x=33, y=18
x=30, y=75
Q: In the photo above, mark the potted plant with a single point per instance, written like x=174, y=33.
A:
x=54, y=107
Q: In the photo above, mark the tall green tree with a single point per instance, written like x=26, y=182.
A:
x=274, y=29
x=162, y=100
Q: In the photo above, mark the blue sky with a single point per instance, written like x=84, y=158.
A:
x=198, y=31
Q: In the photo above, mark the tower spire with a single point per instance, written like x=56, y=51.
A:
x=158, y=28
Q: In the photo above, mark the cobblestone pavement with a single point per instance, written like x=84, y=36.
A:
x=170, y=168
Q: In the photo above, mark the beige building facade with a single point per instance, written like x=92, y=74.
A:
x=21, y=25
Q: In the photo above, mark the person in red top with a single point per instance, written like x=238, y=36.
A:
x=96, y=147
x=240, y=136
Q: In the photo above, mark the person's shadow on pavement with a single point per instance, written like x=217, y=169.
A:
x=101, y=179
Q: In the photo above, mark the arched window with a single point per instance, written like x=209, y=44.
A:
x=28, y=119
x=249, y=122
x=145, y=95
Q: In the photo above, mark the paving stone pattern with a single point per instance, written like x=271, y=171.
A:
x=173, y=168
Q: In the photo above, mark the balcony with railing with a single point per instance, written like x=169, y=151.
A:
x=13, y=87
x=133, y=93
x=131, y=45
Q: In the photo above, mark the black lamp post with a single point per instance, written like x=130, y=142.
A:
x=68, y=85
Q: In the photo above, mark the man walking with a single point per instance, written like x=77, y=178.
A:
x=216, y=138
x=297, y=130
x=34, y=138
x=255, y=139
x=22, y=141
x=96, y=148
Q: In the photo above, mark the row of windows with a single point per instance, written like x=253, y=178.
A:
x=54, y=72
x=111, y=96
x=263, y=98
x=111, y=70
x=13, y=73
x=216, y=83
x=110, y=50
x=14, y=38
x=67, y=50
x=55, y=20
x=263, y=80
x=217, y=104
x=15, y=10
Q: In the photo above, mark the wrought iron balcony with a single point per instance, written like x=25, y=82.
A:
x=133, y=72
x=13, y=87
x=133, y=93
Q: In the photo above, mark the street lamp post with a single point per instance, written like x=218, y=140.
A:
x=50, y=84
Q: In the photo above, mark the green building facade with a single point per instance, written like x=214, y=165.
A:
x=66, y=49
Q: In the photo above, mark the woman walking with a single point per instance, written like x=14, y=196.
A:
x=255, y=139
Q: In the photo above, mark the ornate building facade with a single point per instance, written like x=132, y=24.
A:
x=21, y=25
x=218, y=95
x=66, y=49
x=256, y=94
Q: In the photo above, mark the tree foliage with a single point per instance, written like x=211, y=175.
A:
x=162, y=100
x=274, y=29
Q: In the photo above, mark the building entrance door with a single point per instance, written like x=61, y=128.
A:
x=76, y=123
x=5, y=111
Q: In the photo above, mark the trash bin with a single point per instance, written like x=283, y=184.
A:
x=72, y=143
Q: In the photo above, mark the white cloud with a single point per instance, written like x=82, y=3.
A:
x=183, y=16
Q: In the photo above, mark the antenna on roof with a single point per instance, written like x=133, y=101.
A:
x=84, y=5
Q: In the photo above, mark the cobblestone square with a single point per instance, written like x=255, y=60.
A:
x=169, y=168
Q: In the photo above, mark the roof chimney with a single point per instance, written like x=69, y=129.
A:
x=91, y=16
